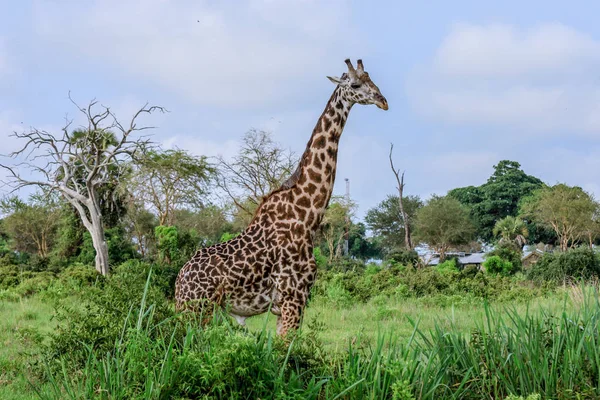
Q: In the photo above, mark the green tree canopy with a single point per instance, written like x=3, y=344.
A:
x=498, y=198
x=386, y=222
x=568, y=211
x=31, y=226
x=511, y=230
x=168, y=180
x=444, y=223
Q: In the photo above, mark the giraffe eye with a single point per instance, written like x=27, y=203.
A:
x=355, y=85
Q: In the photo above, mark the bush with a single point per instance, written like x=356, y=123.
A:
x=497, y=265
x=579, y=263
x=447, y=267
x=404, y=257
x=508, y=252
x=97, y=321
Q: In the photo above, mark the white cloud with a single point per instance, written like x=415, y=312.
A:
x=540, y=80
x=210, y=52
x=503, y=50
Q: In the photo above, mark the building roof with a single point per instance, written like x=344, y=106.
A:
x=463, y=258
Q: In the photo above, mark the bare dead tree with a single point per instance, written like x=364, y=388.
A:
x=260, y=167
x=400, y=187
x=78, y=163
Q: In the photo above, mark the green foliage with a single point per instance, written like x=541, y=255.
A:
x=386, y=222
x=226, y=236
x=508, y=252
x=511, y=230
x=498, y=198
x=320, y=259
x=119, y=248
x=443, y=223
x=530, y=397
x=31, y=226
x=97, y=321
x=404, y=257
x=171, y=179
x=167, y=358
x=497, y=265
x=167, y=239
x=569, y=211
x=579, y=263
x=361, y=247
x=447, y=267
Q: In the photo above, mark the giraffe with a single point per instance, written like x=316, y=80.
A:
x=270, y=265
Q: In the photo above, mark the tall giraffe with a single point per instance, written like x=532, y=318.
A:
x=271, y=264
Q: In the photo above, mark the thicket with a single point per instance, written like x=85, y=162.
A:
x=123, y=341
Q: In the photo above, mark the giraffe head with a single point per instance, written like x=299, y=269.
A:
x=357, y=87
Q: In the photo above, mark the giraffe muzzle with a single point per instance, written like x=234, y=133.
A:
x=382, y=103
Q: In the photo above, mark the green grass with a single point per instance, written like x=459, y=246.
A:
x=23, y=326
x=384, y=349
x=367, y=321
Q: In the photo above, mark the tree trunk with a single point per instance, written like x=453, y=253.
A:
x=100, y=246
x=407, y=239
x=400, y=187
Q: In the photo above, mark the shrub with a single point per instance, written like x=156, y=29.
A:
x=37, y=283
x=447, y=267
x=579, y=263
x=404, y=257
x=97, y=321
x=320, y=259
x=499, y=266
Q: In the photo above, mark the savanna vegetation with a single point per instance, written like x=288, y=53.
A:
x=88, y=264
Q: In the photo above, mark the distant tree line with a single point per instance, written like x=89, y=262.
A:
x=106, y=193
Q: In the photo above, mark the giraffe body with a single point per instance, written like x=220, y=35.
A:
x=270, y=265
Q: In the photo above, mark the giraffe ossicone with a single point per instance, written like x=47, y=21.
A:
x=270, y=266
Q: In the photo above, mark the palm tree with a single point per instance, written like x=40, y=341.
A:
x=511, y=230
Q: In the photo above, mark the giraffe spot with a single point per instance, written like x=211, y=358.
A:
x=323, y=157
x=320, y=201
x=326, y=124
x=311, y=188
x=303, y=202
x=317, y=161
x=332, y=153
x=320, y=142
x=339, y=105
x=301, y=213
x=330, y=110
x=314, y=175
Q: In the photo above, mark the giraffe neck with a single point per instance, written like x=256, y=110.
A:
x=315, y=175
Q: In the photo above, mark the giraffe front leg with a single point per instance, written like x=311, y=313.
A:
x=291, y=314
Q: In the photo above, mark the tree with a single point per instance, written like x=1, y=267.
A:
x=79, y=163
x=386, y=222
x=260, y=167
x=31, y=226
x=209, y=223
x=168, y=180
x=139, y=225
x=403, y=212
x=592, y=230
x=512, y=230
x=333, y=227
x=498, y=198
x=361, y=247
x=568, y=211
x=444, y=223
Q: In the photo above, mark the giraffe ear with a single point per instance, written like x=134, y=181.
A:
x=334, y=79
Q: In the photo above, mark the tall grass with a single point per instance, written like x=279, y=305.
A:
x=511, y=353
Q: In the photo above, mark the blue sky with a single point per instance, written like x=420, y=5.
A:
x=469, y=83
